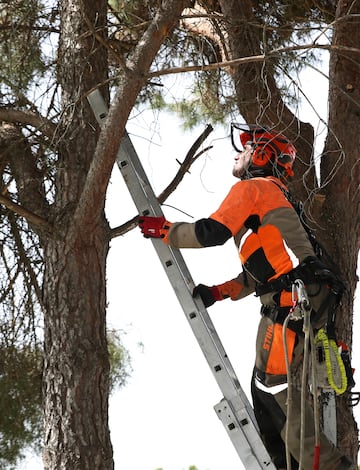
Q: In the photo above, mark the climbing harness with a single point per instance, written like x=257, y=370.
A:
x=330, y=367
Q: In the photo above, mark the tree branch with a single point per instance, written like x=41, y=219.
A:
x=190, y=158
x=200, y=22
x=245, y=60
x=28, y=118
x=103, y=42
x=29, y=216
x=132, y=80
x=24, y=263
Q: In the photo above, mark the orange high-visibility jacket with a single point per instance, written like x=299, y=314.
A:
x=266, y=229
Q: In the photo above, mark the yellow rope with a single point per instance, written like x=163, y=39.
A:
x=327, y=345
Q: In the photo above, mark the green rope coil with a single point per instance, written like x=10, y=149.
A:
x=327, y=345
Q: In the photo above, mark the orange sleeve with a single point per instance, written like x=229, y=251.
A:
x=237, y=206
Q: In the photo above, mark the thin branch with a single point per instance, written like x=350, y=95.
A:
x=124, y=228
x=28, y=118
x=24, y=261
x=103, y=42
x=18, y=27
x=190, y=158
x=11, y=278
x=29, y=216
x=215, y=66
x=250, y=59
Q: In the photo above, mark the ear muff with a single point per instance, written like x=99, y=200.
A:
x=262, y=155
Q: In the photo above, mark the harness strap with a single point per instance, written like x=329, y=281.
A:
x=311, y=270
x=279, y=315
x=276, y=314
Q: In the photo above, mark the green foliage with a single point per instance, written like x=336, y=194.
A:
x=210, y=96
x=20, y=47
x=284, y=19
x=120, y=360
x=207, y=103
x=20, y=403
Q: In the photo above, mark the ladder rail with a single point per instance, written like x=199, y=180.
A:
x=234, y=410
x=179, y=275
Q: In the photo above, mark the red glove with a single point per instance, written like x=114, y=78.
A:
x=154, y=227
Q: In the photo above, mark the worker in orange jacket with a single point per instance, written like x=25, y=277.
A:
x=274, y=250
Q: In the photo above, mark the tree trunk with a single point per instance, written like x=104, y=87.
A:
x=76, y=365
x=76, y=375
x=340, y=173
x=259, y=99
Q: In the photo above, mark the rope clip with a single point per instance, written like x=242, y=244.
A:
x=300, y=300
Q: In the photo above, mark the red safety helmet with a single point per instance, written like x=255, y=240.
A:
x=272, y=150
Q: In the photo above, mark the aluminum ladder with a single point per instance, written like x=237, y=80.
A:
x=234, y=410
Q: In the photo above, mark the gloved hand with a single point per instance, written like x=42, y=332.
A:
x=154, y=227
x=209, y=295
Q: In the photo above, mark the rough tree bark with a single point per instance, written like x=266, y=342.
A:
x=76, y=368
x=76, y=365
x=340, y=171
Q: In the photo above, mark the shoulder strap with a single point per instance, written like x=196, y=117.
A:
x=321, y=254
x=319, y=250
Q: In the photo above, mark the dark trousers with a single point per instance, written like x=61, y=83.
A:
x=271, y=420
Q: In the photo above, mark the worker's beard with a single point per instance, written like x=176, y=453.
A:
x=242, y=164
x=238, y=172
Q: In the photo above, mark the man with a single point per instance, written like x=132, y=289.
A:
x=274, y=249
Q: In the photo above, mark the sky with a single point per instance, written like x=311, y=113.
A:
x=164, y=417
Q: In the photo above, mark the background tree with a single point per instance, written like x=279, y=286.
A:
x=56, y=164
x=70, y=223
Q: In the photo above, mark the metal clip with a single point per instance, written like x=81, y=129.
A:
x=302, y=297
x=300, y=300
